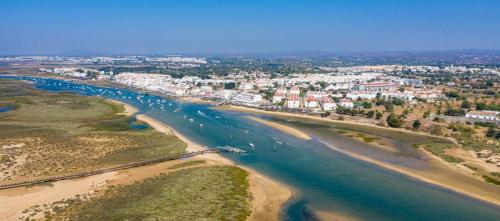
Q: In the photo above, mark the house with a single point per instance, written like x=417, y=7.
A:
x=483, y=115
x=310, y=101
x=224, y=94
x=377, y=86
x=246, y=86
x=295, y=90
x=293, y=101
x=248, y=99
x=361, y=95
x=279, y=95
x=328, y=104
x=346, y=103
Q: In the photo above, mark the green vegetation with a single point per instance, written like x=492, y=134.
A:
x=416, y=124
x=491, y=180
x=63, y=133
x=438, y=149
x=484, y=106
x=201, y=193
x=394, y=121
x=366, y=138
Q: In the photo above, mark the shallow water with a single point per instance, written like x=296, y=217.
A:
x=5, y=109
x=324, y=179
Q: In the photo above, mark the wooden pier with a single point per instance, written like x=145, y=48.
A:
x=105, y=170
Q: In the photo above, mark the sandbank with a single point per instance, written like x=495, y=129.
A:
x=286, y=129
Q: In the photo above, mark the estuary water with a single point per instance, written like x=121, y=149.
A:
x=323, y=179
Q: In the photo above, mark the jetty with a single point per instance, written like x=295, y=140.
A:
x=231, y=149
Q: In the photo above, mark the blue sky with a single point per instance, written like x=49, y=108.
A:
x=253, y=26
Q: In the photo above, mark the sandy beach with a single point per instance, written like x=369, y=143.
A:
x=466, y=184
x=473, y=188
x=303, y=116
x=129, y=109
x=266, y=195
x=283, y=128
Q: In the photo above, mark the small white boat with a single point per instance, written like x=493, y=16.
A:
x=201, y=125
x=251, y=144
x=191, y=119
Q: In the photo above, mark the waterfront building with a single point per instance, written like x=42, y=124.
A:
x=328, y=104
x=293, y=101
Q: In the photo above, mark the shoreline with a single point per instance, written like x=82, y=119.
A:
x=283, y=128
x=129, y=109
x=267, y=196
x=447, y=186
x=455, y=187
x=236, y=108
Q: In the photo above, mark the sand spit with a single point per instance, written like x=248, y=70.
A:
x=267, y=195
x=283, y=128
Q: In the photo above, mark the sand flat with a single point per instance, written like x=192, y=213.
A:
x=283, y=128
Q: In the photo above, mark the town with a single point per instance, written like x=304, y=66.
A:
x=446, y=100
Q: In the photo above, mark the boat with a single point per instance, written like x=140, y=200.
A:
x=201, y=125
x=191, y=119
x=251, y=144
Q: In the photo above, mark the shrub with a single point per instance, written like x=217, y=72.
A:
x=393, y=120
x=416, y=124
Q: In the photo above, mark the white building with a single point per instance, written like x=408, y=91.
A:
x=293, y=101
x=483, y=115
x=328, y=104
x=224, y=94
x=310, y=101
x=295, y=90
x=248, y=99
x=279, y=95
x=361, y=95
x=346, y=103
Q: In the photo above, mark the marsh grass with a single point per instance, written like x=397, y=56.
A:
x=65, y=133
x=200, y=193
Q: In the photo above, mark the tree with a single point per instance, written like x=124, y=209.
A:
x=452, y=94
x=398, y=101
x=366, y=104
x=465, y=104
x=378, y=115
x=230, y=85
x=393, y=120
x=416, y=124
x=370, y=114
x=455, y=112
x=388, y=106
x=322, y=84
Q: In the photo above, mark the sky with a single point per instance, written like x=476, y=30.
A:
x=236, y=27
